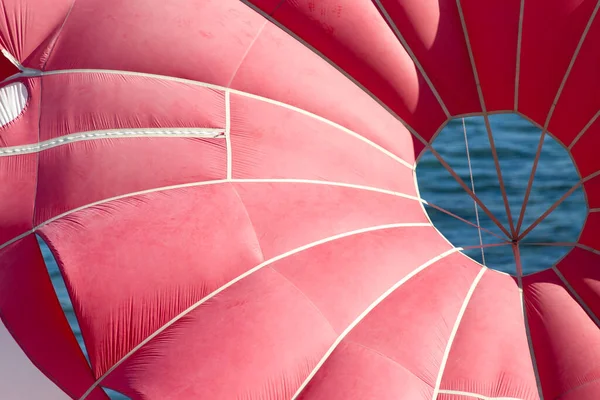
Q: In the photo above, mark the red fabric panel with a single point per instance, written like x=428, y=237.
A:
x=152, y=256
x=433, y=30
x=298, y=77
x=589, y=234
x=257, y=340
x=24, y=129
x=585, y=151
x=588, y=392
x=356, y=38
x=396, y=351
x=551, y=32
x=79, y=102
x=80, y=173
x=575, y=110
x=289, y=215
x=17, y=195
x=27, y=28
x=44, y=335
x=270, y=141
x=493, y=27
x=203, y=41
x=564, y=337
x=354, y=271
x=490, y=354
x=580, y=269
x=592, y=191
x=7, y=68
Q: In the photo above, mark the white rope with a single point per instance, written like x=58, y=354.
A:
x=473, y=189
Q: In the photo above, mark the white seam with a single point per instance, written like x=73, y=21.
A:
x=578, y=298
x=112, y=133
x=238, y=92
x=239, y=278
x=454, y=331
x=228, y=134
x=476, y=395
x=412, y=56
x=366, y=312
x=519, y=42
x=206, y=183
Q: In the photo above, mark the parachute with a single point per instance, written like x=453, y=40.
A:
x=228, y=188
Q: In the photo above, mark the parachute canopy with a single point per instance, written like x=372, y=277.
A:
x=228, y=188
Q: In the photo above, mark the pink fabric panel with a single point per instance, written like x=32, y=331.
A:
x=24, y=129
x=580, y=269
x=153, y=256
x=298, y=77
x=28, y=28
x=433, y=30
x=270, y=141
x=289, y=215
x=258, y=339
x=44, y=335
x=203, y=41
x=355, y=372
x=356, y=38
x=79, y=102
x=563, y=336
x=84, y=172
x=551, y=32
x=395, y=352
x=17, y=195
x=343, y=277
x=492, y=337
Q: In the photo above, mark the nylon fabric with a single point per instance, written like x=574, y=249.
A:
x=291, y=255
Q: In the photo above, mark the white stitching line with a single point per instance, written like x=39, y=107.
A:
x=239, y=278
x=475, y=395
x=366, y=312
x=412, y=56
x=228, y=134
x=237, y=92
x=206, y=183
x=114, y=133
x=454, y=331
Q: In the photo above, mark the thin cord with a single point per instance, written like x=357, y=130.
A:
x=473, y=189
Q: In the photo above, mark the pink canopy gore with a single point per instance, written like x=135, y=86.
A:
x=229, y=190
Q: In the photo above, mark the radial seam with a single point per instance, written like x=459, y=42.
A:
x=486, y=120
x=454, y=331
x=365, y=313
x=551, y=112
x=239, y=278
x=412, y=55
x=519, y=44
